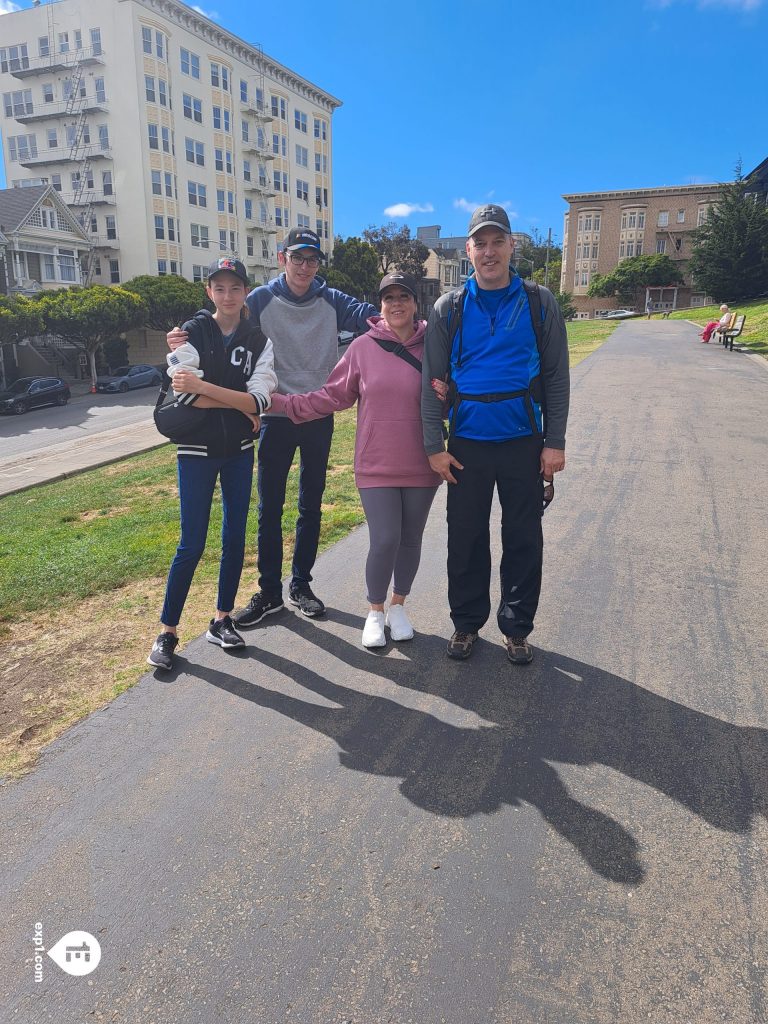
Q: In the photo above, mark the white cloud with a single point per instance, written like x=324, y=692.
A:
x=469, y=206
x=6, y=7
x=211, y=15
x=406, y=209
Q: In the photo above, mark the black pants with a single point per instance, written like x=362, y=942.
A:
x=512, y=467
x=279, y=440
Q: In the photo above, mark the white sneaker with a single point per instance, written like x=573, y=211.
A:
x=373, y=632
x=399, y=624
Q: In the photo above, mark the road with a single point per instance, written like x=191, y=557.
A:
x=85, y=416
x=306, y=832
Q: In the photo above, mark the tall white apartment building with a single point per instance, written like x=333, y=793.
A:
x=170, y=138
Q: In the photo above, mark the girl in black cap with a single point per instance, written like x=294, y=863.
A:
x=224, y=370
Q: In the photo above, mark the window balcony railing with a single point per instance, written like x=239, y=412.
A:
x=105, y=241
x=84, y=104
x=256, y=110
x=66, y=156
x=252, y=146
x=26, y=67
x=89, y=197
x=263, y=187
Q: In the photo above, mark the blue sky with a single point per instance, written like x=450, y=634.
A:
x=450, y=104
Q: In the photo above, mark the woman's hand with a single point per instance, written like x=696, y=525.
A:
x=440, y=388
x=255, y=421
x=188, y=383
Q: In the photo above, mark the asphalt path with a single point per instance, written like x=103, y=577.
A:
x=307, y=832
x=85, y=416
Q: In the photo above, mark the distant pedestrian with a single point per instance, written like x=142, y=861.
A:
x=231, y=393
x=649, y=307
x=396, y=484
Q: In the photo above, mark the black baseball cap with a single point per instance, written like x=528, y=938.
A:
x=303, y=238
x=397, y=277
x=490, y=216
x=229, y=263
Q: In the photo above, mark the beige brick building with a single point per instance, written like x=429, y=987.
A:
x=602, y=228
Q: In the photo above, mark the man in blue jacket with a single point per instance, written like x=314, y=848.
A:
x=302, y=317
x=503, y=376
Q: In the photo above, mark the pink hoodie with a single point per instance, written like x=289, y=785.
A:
x=389, y=446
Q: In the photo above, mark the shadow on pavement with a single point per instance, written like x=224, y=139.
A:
x=556, y=709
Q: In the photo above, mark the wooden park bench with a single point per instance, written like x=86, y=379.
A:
x=728, y=334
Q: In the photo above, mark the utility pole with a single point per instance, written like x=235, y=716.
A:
x=546, y=262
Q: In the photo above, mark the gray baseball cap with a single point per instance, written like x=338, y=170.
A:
x=490, y=216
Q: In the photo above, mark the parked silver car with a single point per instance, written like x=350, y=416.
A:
x=126, y=378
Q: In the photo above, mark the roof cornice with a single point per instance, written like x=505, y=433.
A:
x=633, y=193
x=189, y=19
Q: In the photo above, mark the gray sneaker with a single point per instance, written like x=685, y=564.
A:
x=519, y=651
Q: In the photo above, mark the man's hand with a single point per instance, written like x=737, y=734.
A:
x=552, y=461
x=255, y=421
x=441, y=463
x=188, y=383
x=176, y=337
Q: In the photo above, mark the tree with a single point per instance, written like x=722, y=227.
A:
x=88, y=316
x=396, y=249
x=170, y=300
x=19, y=318
x=633, y=274
x=535, y=252
x=730, y=249
x=356, y=263
x=566, y=304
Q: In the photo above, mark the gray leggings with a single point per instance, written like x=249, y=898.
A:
x=396, y=520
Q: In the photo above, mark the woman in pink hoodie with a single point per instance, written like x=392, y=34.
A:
x=381, y=371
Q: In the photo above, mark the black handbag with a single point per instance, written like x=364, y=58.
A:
x=174, y=420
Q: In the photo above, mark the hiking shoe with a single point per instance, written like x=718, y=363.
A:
x=161, y=655
x=373, y=631
x=261, y=604
x=399, y=624
x=460, y=645
x=519, y=651
x=223, y=633
x=300, y=595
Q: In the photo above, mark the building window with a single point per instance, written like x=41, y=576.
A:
x=106, y=183
x=44, y=46
x=172, y=232
x=222, y=239
x=170, y=190
x=18, y=103
x=114, y=272
x=321, y=128
x=215, y=75
x=249, y=245
x=63, y=42
x=159, y=226
x=96, y=41
x=149, y=88
x=302, y=220
x=190, y=64
x=661, y=245
x=111, y=224
x=157, y=186
x=678, y=245
x=321, y=163
x=641, y=220
x=199, y=236
x=243, y=91
x=249, y=209
x=47, y=93
x=14, y=58
x=196, y=194
x=101, y=92
x=162, y=268
x=302, y=190
x=53, y=138
x=198, y=272
x=302, y=156
x=300, y=121
x=221, y=118
x=639, y=249
x=165, y=135
x=193, y=109
x=663, y=218
x=279, y=108
x=681, y=216
x=195, y=152
x=162, y=91
x=153, y=140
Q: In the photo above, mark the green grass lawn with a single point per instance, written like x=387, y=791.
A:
x=110, y=526
x=755, y=333
x=584, y=336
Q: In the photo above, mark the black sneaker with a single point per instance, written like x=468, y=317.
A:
x=161, y=655
x=223, y=633
x=460, y=645
x=300, y=594
x=519, y=651
x=261, y=604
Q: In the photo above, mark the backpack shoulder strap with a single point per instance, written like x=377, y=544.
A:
x=455, y=314
x=534, y=306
